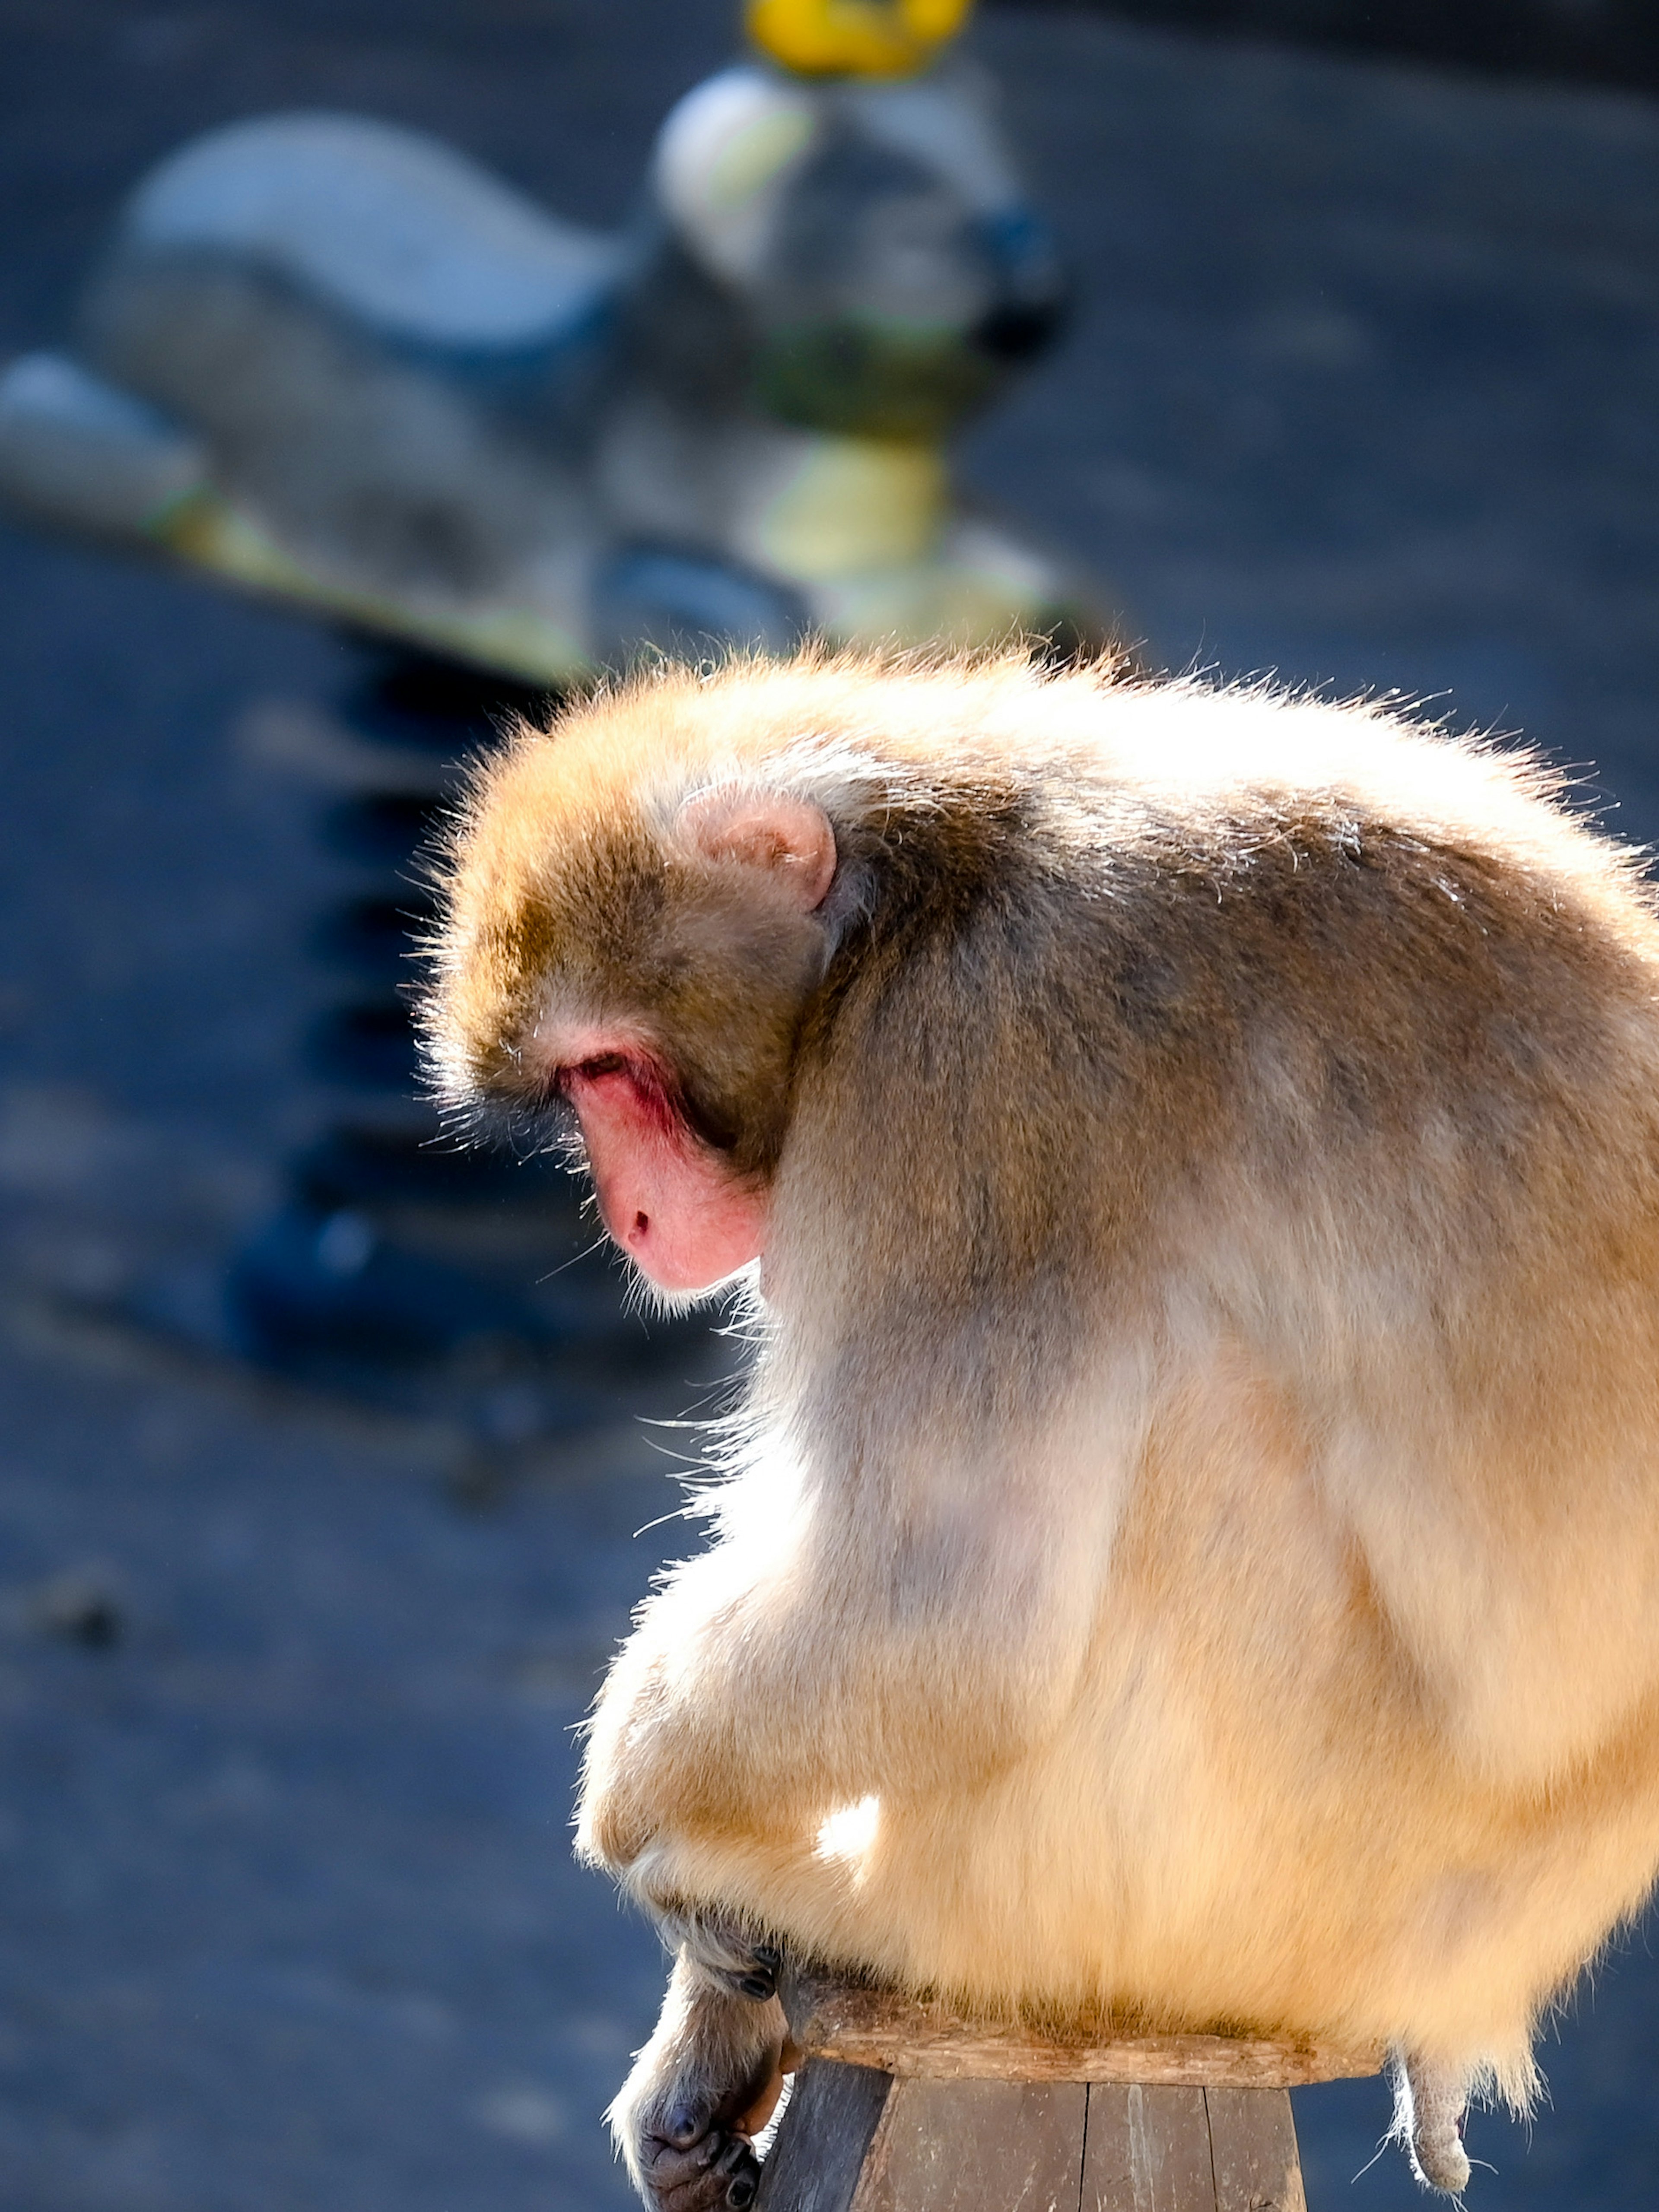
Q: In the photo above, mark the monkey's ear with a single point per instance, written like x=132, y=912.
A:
x=789, y=840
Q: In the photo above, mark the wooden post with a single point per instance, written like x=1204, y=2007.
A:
x=900, y=2106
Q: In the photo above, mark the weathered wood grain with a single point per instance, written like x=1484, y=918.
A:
x=862, y=2026
x=1147, y=2149
x=903, y=2107
x=976, y=2146
x=1253, y=2148
x=822, y=2140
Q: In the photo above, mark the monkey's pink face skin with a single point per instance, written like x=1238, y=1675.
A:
x=665, y=1198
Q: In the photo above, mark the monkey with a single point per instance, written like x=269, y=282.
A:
x=1188, y=1158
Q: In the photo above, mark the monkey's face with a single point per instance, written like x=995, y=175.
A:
x=642, y=966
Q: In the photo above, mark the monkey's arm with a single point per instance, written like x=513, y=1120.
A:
x=701, y=2090
x=770, y=1685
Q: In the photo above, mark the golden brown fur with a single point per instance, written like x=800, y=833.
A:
x=1193, y=1544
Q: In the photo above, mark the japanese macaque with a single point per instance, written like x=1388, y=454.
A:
x=1189, y=1551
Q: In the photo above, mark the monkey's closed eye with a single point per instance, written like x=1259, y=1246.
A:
x=605, y=1063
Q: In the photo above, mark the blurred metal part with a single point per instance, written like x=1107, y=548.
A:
x=395, y=230
x=76, y=450
x=333, y=360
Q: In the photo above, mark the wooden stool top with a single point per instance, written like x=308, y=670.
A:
x=835, y=2018
x=902, y=2107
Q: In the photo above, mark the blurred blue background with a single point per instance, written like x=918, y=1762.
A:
x=1364, y=389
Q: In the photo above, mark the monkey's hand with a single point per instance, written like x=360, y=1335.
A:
x=724, y=1950
x=701, y=2090
x=667, y=1754
x=630, y=1779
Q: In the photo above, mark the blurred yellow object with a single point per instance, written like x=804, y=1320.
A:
x=849, y=504
x=206, y=528
x=855, y=38
x=305, y=339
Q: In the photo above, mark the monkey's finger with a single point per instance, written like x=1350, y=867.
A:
x=682, y=2128
x=741, y=2168
x=702, y=2179
x=670, y=2164
x=755, y=1977
x=707, y=2193
x=759, y=1977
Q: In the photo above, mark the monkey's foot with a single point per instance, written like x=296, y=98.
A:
x=1430, y=2101
x=701, y=2174
x=701, y=2089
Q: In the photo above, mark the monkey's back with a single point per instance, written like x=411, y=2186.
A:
x=1298, y=1076
x=1193, y=1544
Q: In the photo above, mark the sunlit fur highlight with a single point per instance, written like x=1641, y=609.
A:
x=1200, y=1473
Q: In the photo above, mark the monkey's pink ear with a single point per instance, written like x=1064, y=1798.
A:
x=789, y=839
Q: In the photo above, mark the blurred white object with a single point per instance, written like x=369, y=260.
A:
x=387, y=227
x=334, y=360
x=75, y=449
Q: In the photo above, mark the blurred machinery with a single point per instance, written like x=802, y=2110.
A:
x=333, y=360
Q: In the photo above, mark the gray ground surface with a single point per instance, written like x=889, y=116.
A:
x=1364, y=390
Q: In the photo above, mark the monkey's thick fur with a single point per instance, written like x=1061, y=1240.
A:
x=1191, y=1549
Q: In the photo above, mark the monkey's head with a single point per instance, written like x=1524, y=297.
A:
x=639, y=917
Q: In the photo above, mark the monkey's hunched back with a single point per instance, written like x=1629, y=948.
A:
x=1192, y=1545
